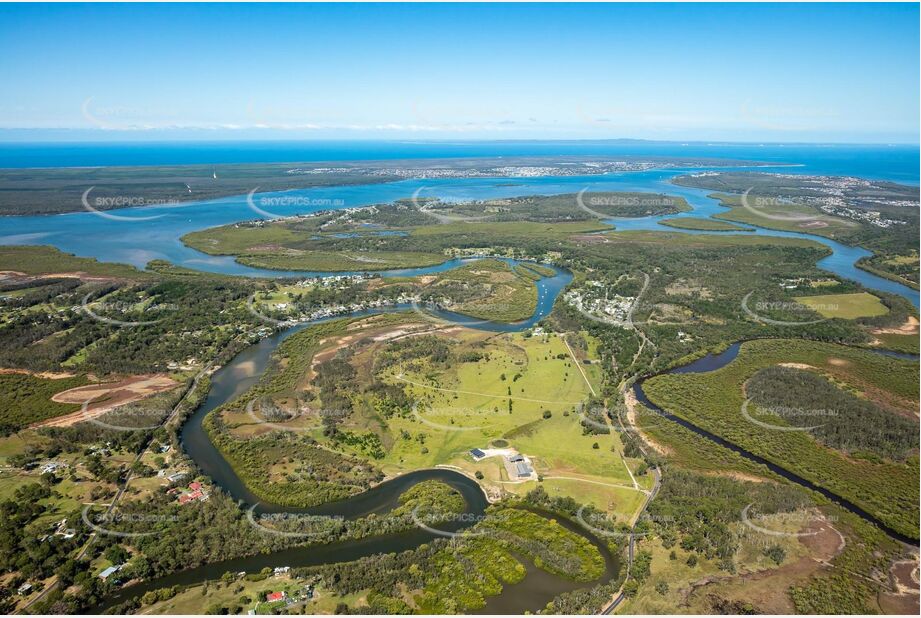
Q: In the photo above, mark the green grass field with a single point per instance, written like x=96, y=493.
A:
x=799, y=218
x=43, y=260
x=339, y=261
x=845, y=306
x=709, y=225
x=467, y=406
x=476, y=395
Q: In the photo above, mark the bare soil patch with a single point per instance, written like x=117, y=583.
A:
x=631, y=403
x=766, y=590
x=106, y=396
x=48, y=375
x=910, y=327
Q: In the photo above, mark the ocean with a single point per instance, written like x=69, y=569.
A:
x=897, y=163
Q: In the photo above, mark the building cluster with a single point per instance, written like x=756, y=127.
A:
x=59, y=529
x=594, y=298
x=838, y=207
x=193, y=493
x=517, y=466
x=575, y=168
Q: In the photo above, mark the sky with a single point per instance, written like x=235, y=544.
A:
x=736, y=72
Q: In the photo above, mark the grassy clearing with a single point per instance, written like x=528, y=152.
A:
x=43, y=260
x=517, y=228
x=534, y=374
x=467, y=405
x=714, y=240
x=709, y=225
x=845, y=306
x=338, y=261
x=809, y=220
x=236, y=239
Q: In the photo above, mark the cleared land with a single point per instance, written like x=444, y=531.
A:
x=107, y=396
x=845, y=306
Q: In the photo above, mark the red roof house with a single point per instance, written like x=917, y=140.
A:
x=276, y=596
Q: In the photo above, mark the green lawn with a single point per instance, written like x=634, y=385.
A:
x=845, y=306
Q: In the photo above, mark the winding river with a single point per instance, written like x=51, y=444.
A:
x=143, y=234
x=229, y=382
x=139, y=235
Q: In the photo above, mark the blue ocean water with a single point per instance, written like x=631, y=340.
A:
x=898, y=163
x=138, y=235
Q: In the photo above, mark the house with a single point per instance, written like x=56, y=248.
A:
x=477, y=454
x=276, y=596
x=522, y=469
x=516, y=458
x=195, y=495
x=281, y=570
x=25, y=589
x=52, y=466
x=110, y=571
x=196, y=492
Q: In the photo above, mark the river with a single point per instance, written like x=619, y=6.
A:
x=712, y=362
x=147, y=233
x=137, y=239
x=232, y=380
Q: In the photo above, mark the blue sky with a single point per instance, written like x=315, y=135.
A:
x=779, y=72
